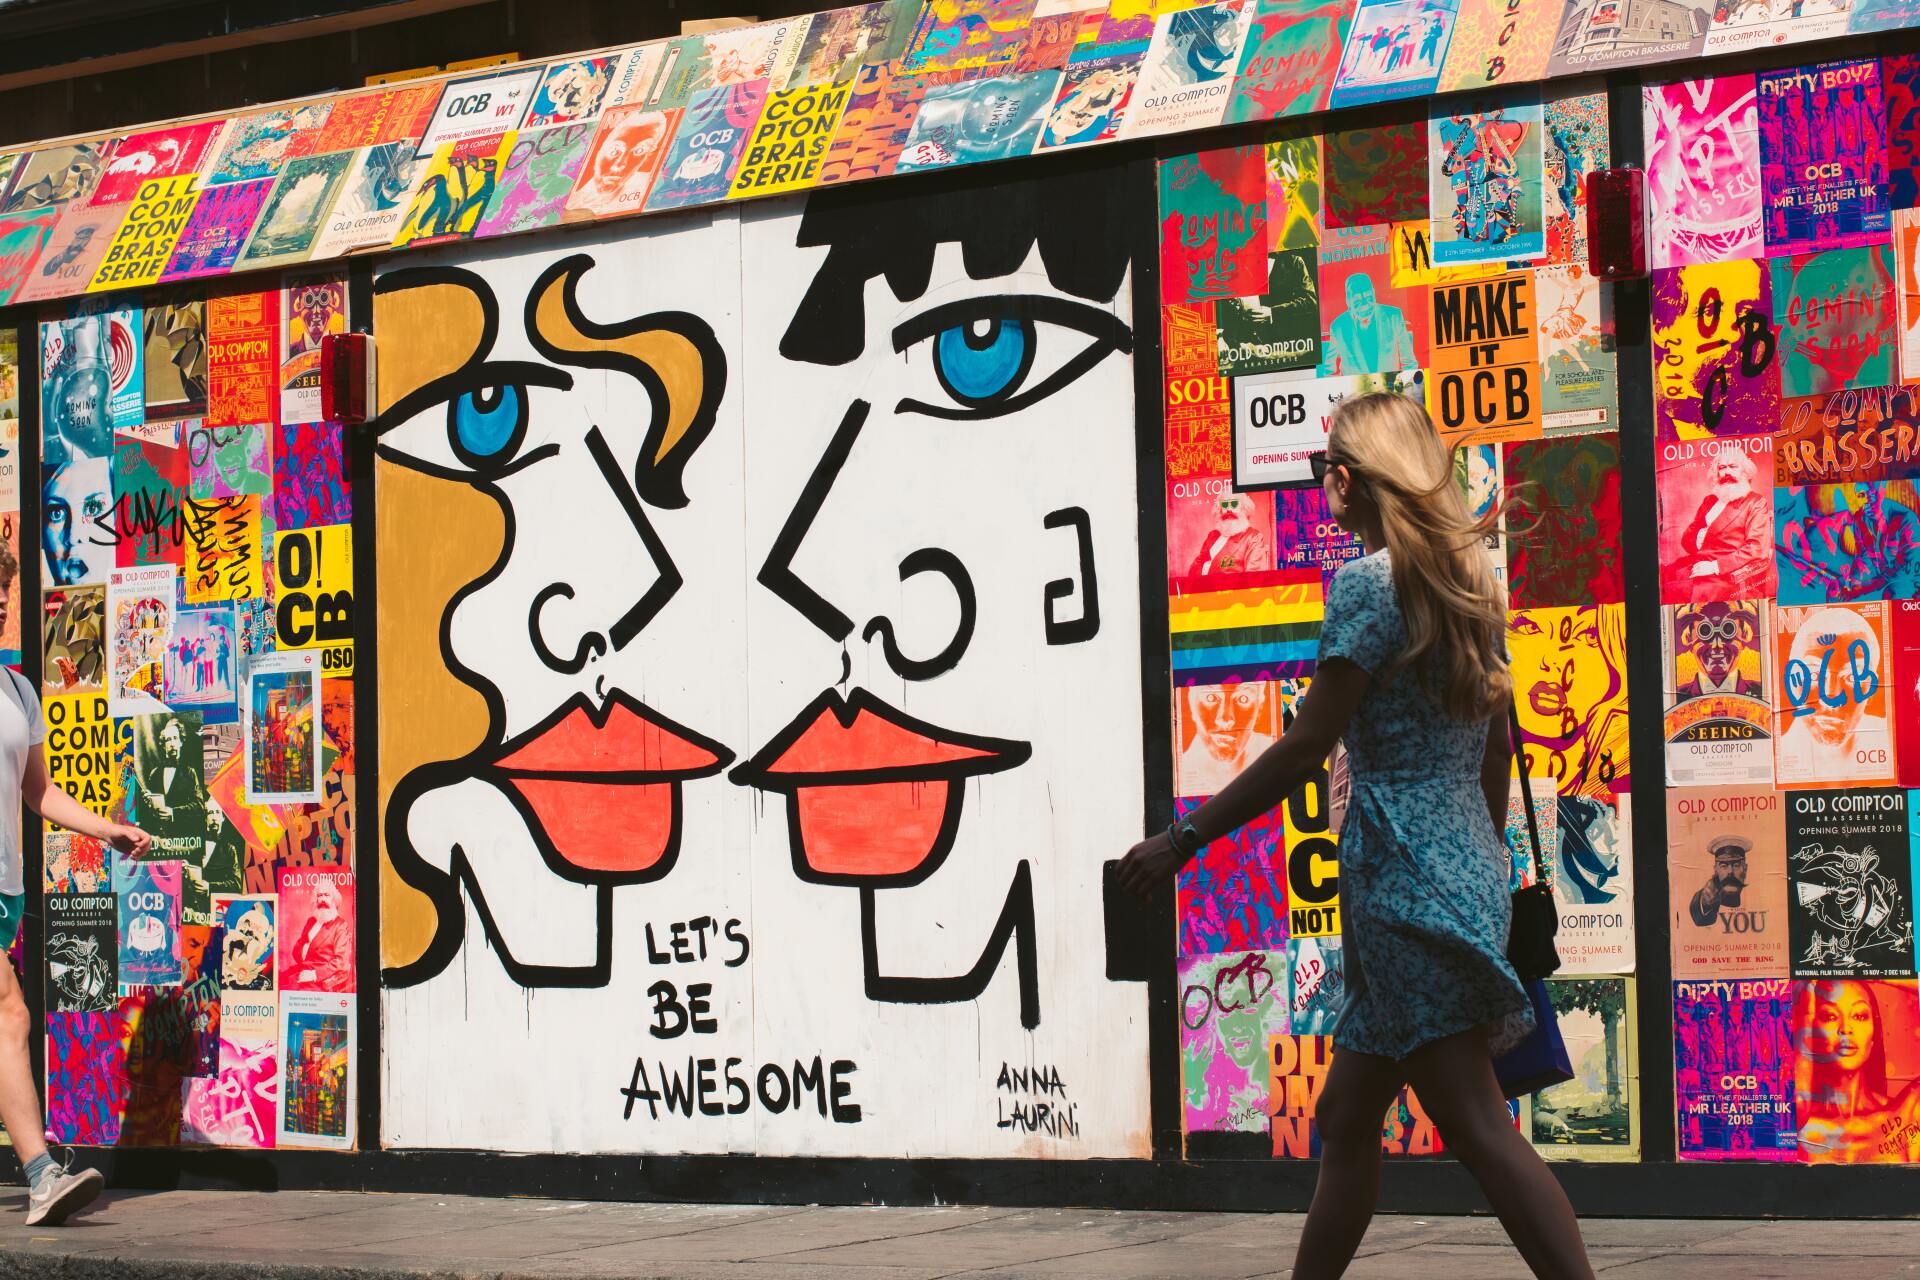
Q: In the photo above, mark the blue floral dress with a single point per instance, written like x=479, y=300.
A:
x=1423, y=873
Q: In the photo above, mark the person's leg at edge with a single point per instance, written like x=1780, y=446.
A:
x=54, y=1193
x=1455, y=1081
x=1353, y=1105
x=19, y=1104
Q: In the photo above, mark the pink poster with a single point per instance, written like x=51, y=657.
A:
x=316, y=929
x=1703, y=171
x=1716, y=519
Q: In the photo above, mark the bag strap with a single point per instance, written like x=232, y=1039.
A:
x=1526, y=785
x=14, y=681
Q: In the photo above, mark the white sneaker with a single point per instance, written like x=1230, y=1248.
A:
x=61, y=1194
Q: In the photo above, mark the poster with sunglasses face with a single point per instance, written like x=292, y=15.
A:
x=1717, y=669
x=1215, y=533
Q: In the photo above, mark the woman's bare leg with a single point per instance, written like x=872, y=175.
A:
x=1353, y=1105
x=1455, y=1082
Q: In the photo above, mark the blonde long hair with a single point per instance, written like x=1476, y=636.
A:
x=1455, y=610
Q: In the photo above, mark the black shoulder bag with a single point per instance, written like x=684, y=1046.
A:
x=1530, y=948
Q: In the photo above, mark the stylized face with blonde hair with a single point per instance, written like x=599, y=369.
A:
x=530, y=427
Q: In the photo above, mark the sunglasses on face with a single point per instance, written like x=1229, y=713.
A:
x=1320, y=463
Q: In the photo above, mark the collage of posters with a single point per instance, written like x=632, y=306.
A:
x=193, y=502
x=1789, y=544
x=1409, y=258
x=897, y=86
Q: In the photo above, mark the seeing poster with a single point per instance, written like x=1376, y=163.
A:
x=1718, y=666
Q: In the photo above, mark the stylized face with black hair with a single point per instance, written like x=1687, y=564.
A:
x=946, y=541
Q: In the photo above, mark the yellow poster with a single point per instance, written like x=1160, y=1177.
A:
x=145, y=241
x=1485, y=359
x=223, y=549
x=1312, y=853
x=790, y=140
x=313, y=594
x=83, y=742
x=456, y=189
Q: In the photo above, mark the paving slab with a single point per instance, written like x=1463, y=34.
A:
x=229, y=1235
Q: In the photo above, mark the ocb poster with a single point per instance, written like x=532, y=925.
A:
x=1486, y=359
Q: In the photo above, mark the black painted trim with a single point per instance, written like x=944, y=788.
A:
x=1640, y=552
x=27, y=604
x=1426, y=1186
x=358, y=451
x=1157, y=928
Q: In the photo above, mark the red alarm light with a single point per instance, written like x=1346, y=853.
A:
x=346, y=378
x=1617, y=223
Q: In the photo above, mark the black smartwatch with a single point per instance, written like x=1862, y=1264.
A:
x=1185, y=838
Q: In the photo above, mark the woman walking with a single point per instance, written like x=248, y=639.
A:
x=1413, y=675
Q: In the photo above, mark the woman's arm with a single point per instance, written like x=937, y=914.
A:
x=1331, y=700
x=48, y=799
x=1496, y=766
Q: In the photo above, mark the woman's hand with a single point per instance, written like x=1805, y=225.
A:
x=1148, y=865
x=129, y=840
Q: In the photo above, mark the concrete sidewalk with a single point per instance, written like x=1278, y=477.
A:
x=297, y=1235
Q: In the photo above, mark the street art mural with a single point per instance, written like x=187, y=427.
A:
x=745, y=735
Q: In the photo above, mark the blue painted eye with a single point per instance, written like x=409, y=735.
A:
x=984, y=359
x=485, y=426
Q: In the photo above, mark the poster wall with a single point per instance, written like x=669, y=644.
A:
x=192, y=511
x=1788, y=584
x=1433, y=265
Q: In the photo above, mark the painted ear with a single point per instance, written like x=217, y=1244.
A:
x=673, y=354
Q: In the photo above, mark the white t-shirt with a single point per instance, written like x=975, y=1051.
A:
x=21, y=728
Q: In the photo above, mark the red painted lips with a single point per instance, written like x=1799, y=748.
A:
x=603, y=785
x=873, y=795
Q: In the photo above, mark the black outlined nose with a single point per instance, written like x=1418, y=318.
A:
x=947, y=565
x=547, y=630
x=778, y=576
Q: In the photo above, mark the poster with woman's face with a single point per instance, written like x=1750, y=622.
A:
x=1857, y=1071
x=1570, y=689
